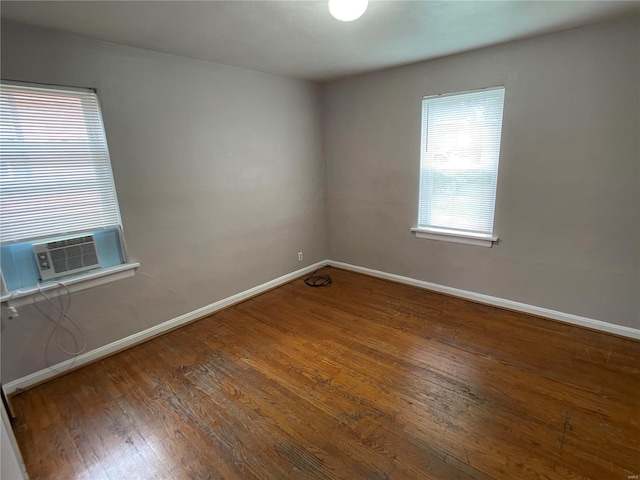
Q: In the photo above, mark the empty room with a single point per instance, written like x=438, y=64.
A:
x=340, y=239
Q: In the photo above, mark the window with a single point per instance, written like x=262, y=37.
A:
x=460, y=149
x=55, y=177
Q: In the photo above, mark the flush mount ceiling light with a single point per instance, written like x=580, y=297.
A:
x=347, y=10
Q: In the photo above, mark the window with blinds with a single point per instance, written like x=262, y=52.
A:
x=460, y=149
x=55, y=173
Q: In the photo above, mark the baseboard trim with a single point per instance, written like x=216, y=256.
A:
x=132, y=340
x=497, y=302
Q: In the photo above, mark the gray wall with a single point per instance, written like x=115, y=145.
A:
x=219, y=175
x=568, y=201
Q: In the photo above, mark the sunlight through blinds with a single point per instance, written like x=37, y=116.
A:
x=460, y=149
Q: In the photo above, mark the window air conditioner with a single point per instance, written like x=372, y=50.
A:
x=64, y=256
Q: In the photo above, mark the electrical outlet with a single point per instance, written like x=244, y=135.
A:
x=300, y=256
x=12, y=313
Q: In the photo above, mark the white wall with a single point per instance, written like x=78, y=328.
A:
x=219, y=174
x=568, y=200
x=11, y=464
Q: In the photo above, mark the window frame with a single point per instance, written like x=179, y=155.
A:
x=81, y=280
x=452, y=234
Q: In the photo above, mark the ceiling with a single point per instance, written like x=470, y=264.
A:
x=299, y=38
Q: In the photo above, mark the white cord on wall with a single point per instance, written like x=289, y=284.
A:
x=63, y=314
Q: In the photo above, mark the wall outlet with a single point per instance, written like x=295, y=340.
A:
x=300, y=256
x=11, y=313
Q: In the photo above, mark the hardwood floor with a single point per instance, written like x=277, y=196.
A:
x=364, y=379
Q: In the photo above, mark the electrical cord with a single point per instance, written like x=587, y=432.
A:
x=64, y=314
x=314, y=280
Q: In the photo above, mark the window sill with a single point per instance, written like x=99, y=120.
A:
x=93, y=278
x=455, y=237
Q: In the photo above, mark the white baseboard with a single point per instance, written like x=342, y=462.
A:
x=101, y=352
x=498, y=302
x=110, y=349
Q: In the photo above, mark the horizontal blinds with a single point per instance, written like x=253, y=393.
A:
x=55, y=173
x=459, y=160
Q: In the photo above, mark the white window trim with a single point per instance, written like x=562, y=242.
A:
x=81, y=281
x=454, y=235
x=75, y=283
x=479, y=240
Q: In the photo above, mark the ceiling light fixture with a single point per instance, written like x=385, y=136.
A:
x=347, y=10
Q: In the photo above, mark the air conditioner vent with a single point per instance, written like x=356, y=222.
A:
x=65, y=256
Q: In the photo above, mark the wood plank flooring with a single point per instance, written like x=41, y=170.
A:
x=365, y=379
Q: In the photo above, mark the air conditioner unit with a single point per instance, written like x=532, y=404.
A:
x=65, y=256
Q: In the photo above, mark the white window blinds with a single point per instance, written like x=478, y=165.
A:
x=460, y=149
x=55, y=173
